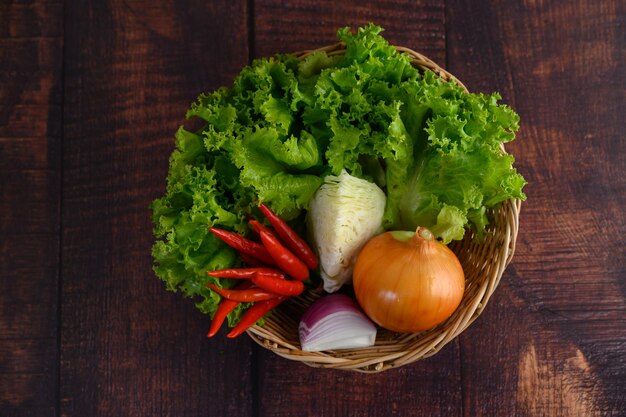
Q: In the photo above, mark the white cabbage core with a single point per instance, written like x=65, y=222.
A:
x=343, y=215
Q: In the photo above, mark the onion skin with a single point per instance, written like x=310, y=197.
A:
x=408, y=282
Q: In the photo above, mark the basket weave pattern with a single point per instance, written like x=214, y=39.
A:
x=483, y=262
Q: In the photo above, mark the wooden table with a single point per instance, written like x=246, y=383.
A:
x=91, y=93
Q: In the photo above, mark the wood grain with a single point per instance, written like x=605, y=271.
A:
x=427, y=388
x=128, y=346
x=558, y=317
x=299, y=25
x=31, y=44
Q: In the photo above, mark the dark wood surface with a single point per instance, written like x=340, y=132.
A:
x=91, y=93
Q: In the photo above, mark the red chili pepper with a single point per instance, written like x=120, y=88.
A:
x=225, y=307
x=253, y=314
x=247, y=296
x=294, y=242
x=244, y=273
x=285, y=260
x=257, y=226
x=244, y=245
x=277, y=285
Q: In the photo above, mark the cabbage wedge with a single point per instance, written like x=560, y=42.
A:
x=344, y=214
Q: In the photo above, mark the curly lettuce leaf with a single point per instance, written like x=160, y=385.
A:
x=462, y=166
x=435, y=148
x=248, y=151
x=275, y=168
x=202, y=191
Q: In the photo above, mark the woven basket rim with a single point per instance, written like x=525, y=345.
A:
x=394, y=349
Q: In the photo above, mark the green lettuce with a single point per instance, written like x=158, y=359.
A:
x=285, y=124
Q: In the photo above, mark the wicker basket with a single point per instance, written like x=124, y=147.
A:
x=483, y=264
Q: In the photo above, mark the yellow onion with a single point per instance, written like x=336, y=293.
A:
x=408, y=281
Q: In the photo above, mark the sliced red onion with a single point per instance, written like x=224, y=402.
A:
x=333, y=322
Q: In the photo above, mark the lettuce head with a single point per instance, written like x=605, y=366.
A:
x=285, y=124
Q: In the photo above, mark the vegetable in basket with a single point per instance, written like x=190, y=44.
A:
x=286, y=124
x=264, y=286
x=344, y=214
x=335, y=321
x=408, y=281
